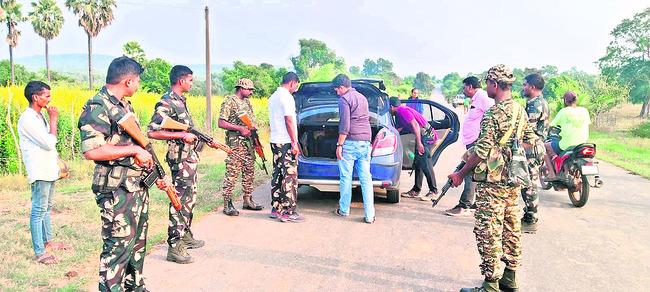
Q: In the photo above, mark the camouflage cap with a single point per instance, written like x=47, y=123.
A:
x=245, y=83
x=500, y=73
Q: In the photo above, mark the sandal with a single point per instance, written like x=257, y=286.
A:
x=47, y=259
x=338, y=212
x=56, y=245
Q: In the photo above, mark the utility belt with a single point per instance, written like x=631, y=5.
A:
x=178, y=151
x=108, y=178
x=235, y=139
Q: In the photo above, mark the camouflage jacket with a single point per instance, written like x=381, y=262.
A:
x=538, y=116
x=97, y=127
x=494, y=125
x=175, y=107
x=231, y=108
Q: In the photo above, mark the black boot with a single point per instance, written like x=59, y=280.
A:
x=508, y=283
x=249, y=204
x=487, y=286
x=229, y=209
x=529, y=223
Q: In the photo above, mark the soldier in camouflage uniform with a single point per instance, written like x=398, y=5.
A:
x=123, y=201
x=497, y=229
x=285, y=148
x=242, y=157
x=538, y=117
x=182, y=158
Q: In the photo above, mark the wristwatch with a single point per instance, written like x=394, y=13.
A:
x=337, y=145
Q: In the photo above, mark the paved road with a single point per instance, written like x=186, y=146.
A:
x=413, y=247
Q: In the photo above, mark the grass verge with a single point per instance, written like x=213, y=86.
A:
x=75, y=220
x=617, y=144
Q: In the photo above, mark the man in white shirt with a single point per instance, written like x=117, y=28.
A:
x=38, y=146
x=285, y=148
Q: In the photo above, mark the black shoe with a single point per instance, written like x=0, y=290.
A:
x=229, y=209
x=529, y=224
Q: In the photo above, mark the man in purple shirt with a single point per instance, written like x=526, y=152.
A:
x=480, y=103
x=410, y=120
x=353, y=146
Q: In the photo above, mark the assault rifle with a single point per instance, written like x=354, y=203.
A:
x=170, y=124
x=256, y=140
x=446, y=187
x=130, y=126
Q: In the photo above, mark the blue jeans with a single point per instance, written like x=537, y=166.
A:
x=356, y=156
x=39, y=221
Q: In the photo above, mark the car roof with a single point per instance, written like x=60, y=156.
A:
x=311, y=94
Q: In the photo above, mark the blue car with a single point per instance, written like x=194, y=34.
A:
x=318, y=120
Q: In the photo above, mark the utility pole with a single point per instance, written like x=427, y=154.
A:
x=208, y=74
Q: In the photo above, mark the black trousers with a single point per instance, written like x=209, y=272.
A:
x=424, y=167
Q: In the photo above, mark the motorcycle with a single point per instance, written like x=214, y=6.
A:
x=575, y=169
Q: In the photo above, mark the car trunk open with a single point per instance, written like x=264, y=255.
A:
x=318, y=117
x=319, y=133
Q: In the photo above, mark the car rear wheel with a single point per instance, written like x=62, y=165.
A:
x=393, y=196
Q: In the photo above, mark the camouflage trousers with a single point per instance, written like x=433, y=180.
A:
x=284, y=184
x=124, y=232
x=241, y=159
x=184, y=178
x=497, y=229
x=529, y=194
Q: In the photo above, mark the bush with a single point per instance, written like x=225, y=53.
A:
x=642, y=131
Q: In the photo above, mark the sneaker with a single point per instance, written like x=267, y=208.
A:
x=274, y=213
x=430, y=196
x=338, y=212
x=411, y=194
x=371, y=221
x=473, y=208
x=459, y=211
x=295, y=217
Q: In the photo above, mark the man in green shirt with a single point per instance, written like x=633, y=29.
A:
x=574, y=122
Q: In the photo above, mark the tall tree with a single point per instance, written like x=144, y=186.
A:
x=423, y=82
x=94, y=15
x=134, y=51
x=628, y=58
x=47, y=20
x=313, y=55
x=12, y=16
x=370, y=68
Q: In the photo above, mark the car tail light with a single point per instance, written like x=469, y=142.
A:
x=588, y=151
x=385, y=143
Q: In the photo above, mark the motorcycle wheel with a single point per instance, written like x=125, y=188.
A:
x=580, y=193
x=543, y=172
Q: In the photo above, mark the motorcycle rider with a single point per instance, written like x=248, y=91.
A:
x=574, y=121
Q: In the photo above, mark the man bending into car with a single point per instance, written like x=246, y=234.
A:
x=409, y=120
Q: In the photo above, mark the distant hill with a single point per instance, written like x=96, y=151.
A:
x=77, y=64
x=66, y=63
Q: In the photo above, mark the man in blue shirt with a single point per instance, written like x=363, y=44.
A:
x=415, y=93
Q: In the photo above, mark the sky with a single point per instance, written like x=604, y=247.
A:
x=436, y=37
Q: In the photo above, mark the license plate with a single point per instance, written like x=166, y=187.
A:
x=589, y=169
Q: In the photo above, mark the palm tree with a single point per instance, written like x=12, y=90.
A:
x=12, y=15
x=93, y=16
x=47, y=21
